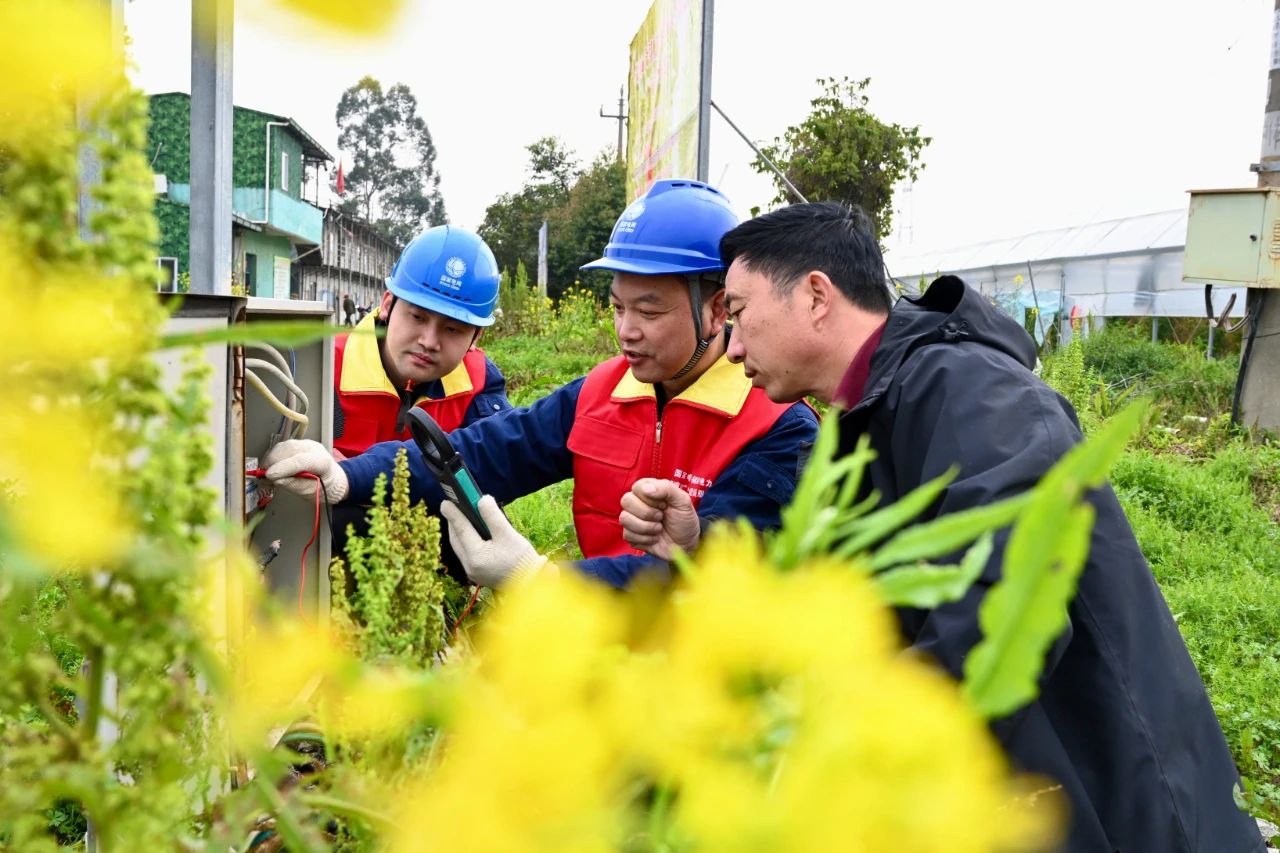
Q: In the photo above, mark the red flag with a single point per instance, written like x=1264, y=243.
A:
x=342, y=183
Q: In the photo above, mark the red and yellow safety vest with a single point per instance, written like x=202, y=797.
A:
x=617, y=439
x=370, y=403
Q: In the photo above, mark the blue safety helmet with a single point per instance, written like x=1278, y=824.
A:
x=675, y=228
x=450, y=271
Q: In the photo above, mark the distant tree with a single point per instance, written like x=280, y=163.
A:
x=511, y=223
x=393, y=183
x=842, y=152
x=550, y=162
x=579, y=229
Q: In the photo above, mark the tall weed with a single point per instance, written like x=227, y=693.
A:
x=1178, y=376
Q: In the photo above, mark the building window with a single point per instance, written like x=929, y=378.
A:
x=250, y=272
x=284, y=171
x=168, y=275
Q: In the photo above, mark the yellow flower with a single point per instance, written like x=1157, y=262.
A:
x=372, y=702
x=276, y=671
x=72, y=315
x=369, y=17
x=777, y=708
x=55, y=51
x=63, y=466
x=530, y=763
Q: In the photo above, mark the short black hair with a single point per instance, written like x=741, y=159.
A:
x=838, y=239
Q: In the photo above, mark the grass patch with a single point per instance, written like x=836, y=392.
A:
x=546, y=519
x=1207, y=527
x=1178, y=376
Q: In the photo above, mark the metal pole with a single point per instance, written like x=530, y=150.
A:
x=1155, y=330
x=1258, y=386
x=1064, y=322
x=621, y=118
x=622, y=121
x=211, y=118
x=760, y=154
x=704, y=91
x=1035, y=297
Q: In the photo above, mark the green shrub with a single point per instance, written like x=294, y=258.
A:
x=1178, y=376
x=539, y=355
x=402, y=602
x=1208, y=528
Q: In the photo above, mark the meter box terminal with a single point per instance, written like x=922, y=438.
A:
x=1233, y=237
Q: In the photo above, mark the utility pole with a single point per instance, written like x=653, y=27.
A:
x=1259, y=384
x=212, y=33
x=622, y=118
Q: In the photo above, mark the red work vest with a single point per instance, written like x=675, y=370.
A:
x=616, y=439
x=370, y=404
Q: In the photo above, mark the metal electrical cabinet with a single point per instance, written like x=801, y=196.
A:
x=242, y=424
x=287, y=518
x=1233, y=237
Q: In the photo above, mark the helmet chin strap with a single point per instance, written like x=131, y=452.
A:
x=695, y=302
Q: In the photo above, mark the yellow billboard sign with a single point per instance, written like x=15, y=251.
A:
x=666, y=93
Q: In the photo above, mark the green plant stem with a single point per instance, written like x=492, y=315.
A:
x=345, y=807
x=94, y=662
x=40, y=697
x=286, y=821
x=658, y=817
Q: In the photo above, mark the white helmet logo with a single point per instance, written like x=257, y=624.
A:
x=632, y=213
x=455, y=267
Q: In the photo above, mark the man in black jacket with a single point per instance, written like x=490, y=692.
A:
x=1122, y=720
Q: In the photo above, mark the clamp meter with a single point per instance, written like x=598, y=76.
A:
x=447, y=466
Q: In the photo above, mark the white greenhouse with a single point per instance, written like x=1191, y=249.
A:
x=1121, y=268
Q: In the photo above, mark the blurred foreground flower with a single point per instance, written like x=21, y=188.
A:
x=66, y=504
x=370, y=16
x=55, y=50
x=757, y=711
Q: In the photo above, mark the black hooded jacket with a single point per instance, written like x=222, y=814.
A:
x=1122, y=720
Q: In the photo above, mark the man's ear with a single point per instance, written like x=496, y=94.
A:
x=384, y=310
x=820, y=295
x=719, y=315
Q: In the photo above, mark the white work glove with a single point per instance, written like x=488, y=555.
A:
x=491, y=562
x=289, y=458
x=658, y=517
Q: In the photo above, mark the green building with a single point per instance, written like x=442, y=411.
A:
x=273, y=162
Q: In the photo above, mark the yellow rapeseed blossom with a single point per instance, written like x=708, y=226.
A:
x=528, y=763
x=276, y=672
x=372, y=702
x=66, y=504
x=777, y=709
x=71, y=319
x=55, y=50
x=369, y=16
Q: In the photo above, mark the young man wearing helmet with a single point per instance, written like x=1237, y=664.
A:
x=439, y=298
x=671, y=406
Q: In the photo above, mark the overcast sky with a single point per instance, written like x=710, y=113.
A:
x=1042, y=115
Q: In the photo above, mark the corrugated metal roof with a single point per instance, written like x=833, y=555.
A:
x=1164, y=230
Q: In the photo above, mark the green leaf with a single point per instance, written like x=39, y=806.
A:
x=280, y=333
x=948, y=533
x=928, y=586
x=1026, y=610
x=861, y=533
x=1024, y=613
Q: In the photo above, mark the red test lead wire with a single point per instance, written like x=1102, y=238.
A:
x=315, y=531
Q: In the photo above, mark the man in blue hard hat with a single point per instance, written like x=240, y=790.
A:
x=439, y=298
x=670, y=405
